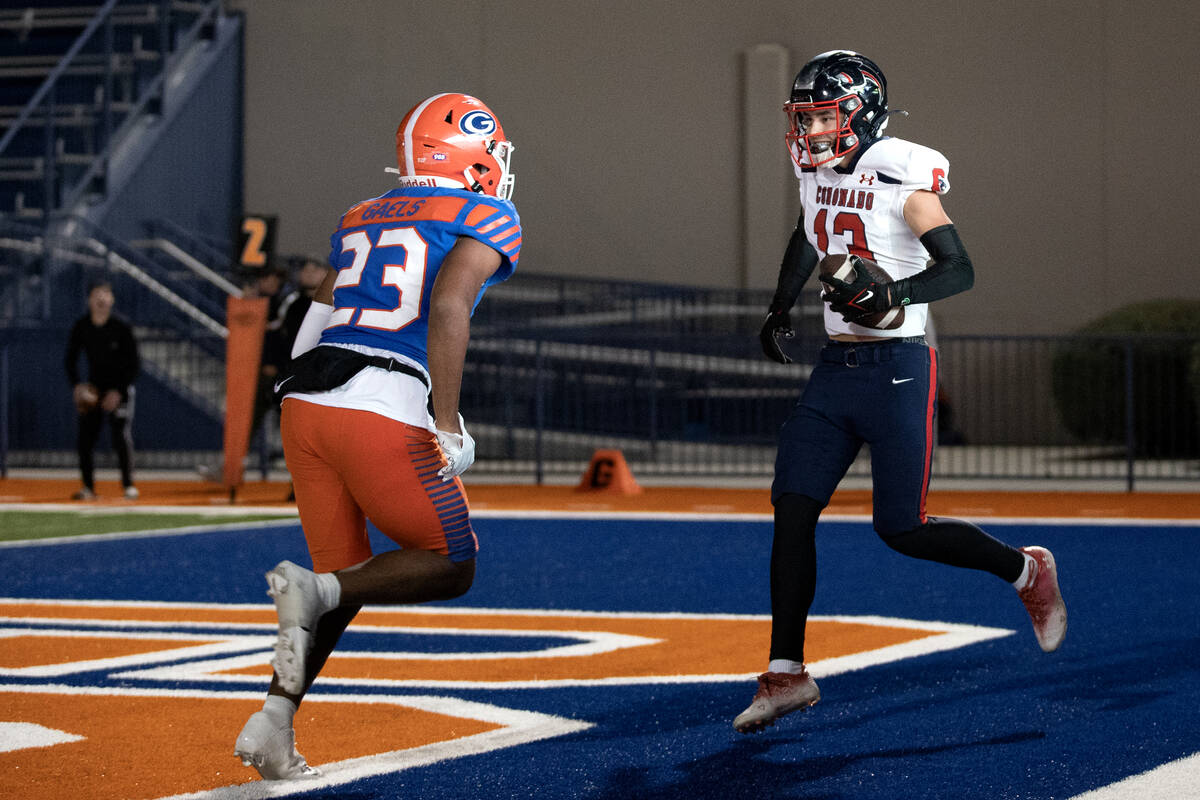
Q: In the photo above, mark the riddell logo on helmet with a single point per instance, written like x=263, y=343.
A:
x=418, y=180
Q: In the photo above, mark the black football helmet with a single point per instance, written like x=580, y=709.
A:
x=854, y=88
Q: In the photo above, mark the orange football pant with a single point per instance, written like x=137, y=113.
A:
x=348, y=466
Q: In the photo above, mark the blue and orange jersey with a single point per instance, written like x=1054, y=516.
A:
x=388, y=251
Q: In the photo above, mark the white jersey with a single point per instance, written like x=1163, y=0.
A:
x=860, y=209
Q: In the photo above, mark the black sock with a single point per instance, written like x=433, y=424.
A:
x=959, y=544
x=793, y=573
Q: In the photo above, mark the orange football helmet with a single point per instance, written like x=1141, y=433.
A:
x=454, y=140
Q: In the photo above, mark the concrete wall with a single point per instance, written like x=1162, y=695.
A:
x=1068, y=127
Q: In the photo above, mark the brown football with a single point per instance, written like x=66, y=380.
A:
x=85, y=396
x=841, y=267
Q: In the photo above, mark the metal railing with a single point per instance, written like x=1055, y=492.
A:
x=1010, y=408
x=675, y=378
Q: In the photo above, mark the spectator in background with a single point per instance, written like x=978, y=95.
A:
x=270, y=285
x=107, y=341
x=307, y=272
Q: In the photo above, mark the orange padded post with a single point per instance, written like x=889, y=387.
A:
x=608, y=472
x=246, y=318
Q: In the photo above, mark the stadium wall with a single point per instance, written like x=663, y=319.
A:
x=1066, y=126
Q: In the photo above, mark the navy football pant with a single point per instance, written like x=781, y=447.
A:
x=883, y=395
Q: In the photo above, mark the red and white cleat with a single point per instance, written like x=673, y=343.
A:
x=778, y=693
x=1044, y=601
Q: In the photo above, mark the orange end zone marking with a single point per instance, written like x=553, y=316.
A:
x=139, y=748
x=686, y=646
x=21, y=651
x=683, y=644
x=135, y=612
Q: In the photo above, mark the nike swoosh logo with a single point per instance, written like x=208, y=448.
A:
x=867, y=295
x=901, y=380
x=289, y=377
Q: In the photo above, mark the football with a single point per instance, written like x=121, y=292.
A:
x=85, y=396
x=840, y=266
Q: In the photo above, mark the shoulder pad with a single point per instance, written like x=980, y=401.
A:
x=911, y=165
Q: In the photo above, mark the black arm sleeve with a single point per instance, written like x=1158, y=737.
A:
x=950, y=273
x=799, y=260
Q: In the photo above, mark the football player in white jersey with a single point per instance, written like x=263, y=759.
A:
x=867, y=196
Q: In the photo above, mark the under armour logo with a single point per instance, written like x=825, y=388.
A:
x=869, y=180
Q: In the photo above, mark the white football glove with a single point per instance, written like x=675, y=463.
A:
x=459, y=450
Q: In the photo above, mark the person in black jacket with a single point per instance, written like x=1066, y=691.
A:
x=112, y=358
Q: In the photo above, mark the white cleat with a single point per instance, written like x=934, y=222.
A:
x=298, y=606
x=778, y=693
x=1043, y=600
x=271, y=749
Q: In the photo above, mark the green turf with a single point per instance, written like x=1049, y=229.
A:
x=17, y=525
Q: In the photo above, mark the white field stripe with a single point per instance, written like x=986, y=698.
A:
x=422, y=610
x=520, y=727
x=435, y=611
x=1175, y=780
x=947, y=636
x=718, y=516
x=219, y=509
x=595, y=643
x=289, y=517
x=186, y=530
x=138, y=624
x=208, y=650
x=28, y=735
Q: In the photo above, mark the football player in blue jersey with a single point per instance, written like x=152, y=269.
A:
x=370, y=420
x=867, y=197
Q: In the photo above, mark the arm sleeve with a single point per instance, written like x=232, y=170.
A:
x=950, y=273
x=799, y=260
x=314, y=322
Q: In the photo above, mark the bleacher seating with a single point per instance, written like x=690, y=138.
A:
x=70, y=76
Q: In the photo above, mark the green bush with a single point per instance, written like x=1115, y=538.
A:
x=1089, y=378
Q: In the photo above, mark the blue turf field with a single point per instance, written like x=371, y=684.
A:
x=998, y=719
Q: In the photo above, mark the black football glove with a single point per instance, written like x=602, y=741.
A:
x=777, y=324
x=862, y=296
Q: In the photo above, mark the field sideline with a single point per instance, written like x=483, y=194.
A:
x=271, y=496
